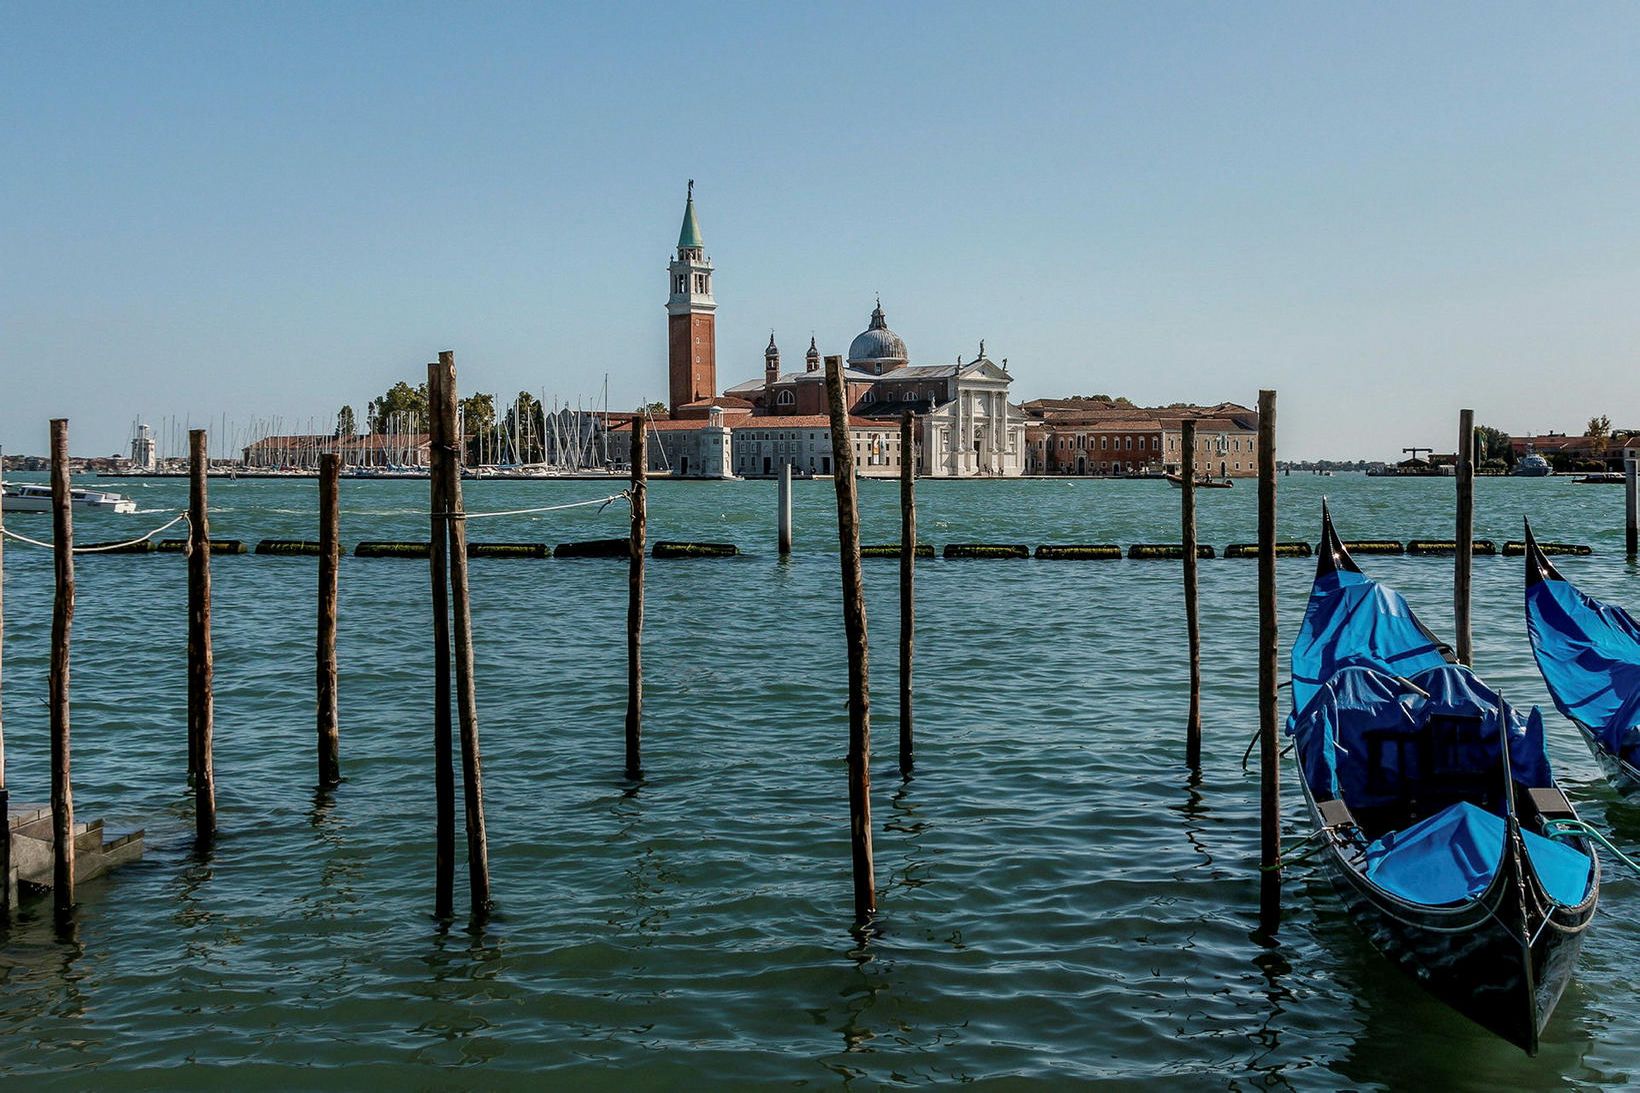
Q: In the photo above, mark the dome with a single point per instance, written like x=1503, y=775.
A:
x=877, y=348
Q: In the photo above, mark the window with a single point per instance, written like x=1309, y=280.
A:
x=1129, y=443
x=1102, y=441
x=785, y=398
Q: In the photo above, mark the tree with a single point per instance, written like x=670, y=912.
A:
x=526, y=424
x=345, y=425
x=477, y=416
x=1491, y=444
x=655, y=410
x=1599, y=431
x=400, y=398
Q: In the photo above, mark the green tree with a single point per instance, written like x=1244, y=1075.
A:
x=1491, y=444
x=1599, y=431
x=655, y=410
x=400, y=398
x=346, y=426
x=525, y=423
x=477, y=416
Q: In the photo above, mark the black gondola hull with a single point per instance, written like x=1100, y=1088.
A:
x=1624, y=778
x=1478, y=957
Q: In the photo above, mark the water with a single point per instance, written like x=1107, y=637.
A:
x=1061, y=901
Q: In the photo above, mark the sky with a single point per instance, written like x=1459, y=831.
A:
x=1385, y=212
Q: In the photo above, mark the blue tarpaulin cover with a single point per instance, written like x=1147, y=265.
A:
x=1453, y=855
x=1589, y=654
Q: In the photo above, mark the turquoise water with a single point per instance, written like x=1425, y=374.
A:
x=1061, y=900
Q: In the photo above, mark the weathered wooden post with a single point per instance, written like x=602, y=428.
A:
x=472, y=775
x=1269, y=745
x=854, y=629
x=1192, y=618
x=441, y=448
x=201, y=704
x=1465, y=537
x=634, y=598
x=5, y=801
x=1631, y=505
x=330, y=553
x=784, y=505
x=908, y=581
x=62, y=618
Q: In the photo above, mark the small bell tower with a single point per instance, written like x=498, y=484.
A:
x=690, y=316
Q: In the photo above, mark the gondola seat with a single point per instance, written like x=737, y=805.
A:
x=1451, y=857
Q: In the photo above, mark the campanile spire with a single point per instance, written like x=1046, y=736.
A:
x=691, y=327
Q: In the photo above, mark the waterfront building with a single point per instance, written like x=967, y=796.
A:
x=1112, y=437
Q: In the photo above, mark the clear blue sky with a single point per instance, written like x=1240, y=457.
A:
x=1384, y=211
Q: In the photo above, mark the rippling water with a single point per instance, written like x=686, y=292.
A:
x=1061, y=899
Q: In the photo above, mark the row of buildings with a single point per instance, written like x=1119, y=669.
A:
x=964, y=424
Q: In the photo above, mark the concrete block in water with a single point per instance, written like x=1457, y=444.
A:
x=1078, y=552
x=1515, y=548
x=1375, y=546
x=694, y=550
x=594, y=548
x=386, y=549
x=1283, y=550
x=287, y=546
x=508, y=550
x=218, y=546
x=987, y=550
x=1163, y=551
x=1448, y=547
x=892, y=550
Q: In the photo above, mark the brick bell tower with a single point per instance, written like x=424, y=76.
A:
x=690, y=325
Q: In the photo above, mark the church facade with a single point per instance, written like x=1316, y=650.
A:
x=964, y=425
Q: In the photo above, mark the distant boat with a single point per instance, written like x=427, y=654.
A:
x=1201, y=483
x=1532, y=465
x=1601, y=478
x=19, y=497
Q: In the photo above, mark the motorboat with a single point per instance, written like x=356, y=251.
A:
x=1533, y=465
x=36, y=497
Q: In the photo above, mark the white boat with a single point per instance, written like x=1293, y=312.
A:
x=1533, y=465
x=28, y=497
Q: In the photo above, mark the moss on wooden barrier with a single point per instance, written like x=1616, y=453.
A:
x=287, y=546
x=987, y=550
x=1375, y=546
x=218, y=546
x=1159, y=551
x=116, y=547
x=594, y=548
x=694, y=550
x=1074, y=552
x=391, y=549
x=1283, y=550
x=508, y=550
x=1448, y=546
x=1515, y=548
x=892, y=550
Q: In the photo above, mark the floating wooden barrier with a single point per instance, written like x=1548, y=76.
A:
x=217, y=546
x=594, y=548
x=1147, y=551
x=1449, y=546
x=694, y=550
x=288, y=546
x=1073, y=552
x=509, y=550
x=892, y=550
x=1514, y=548
x=1374, y=546
x=1283, y=550
x=987, y=550
x=145, y=547
x=385, y=549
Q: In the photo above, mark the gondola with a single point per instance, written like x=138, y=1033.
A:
x=1435, y=835
x=1589, y=654
x=1208, y=483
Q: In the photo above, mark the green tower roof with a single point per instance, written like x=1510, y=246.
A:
x=690, y=235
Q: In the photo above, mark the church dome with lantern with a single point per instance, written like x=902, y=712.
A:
x=877, y=349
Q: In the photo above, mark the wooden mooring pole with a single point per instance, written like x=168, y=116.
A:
x=908, y=582
x=854, y=629
x=1631, y=507
x=201, y=704
x=5, y=801
x=634, y=598
x=330, y=554
x=1269, y=744
x=62, y=619
x=784, y=505
x=441, y=448
x=472, y=774
x=1192, y=618
x=1464, y=540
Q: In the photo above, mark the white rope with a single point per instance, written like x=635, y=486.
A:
x=603, y=502
x=99, y=548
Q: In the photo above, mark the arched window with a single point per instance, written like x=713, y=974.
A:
x=785, y=398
